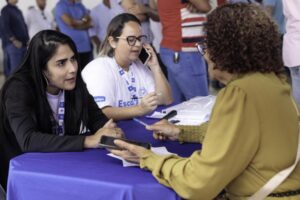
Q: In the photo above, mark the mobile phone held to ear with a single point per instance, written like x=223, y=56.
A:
x=108, y=142
x=144, y=56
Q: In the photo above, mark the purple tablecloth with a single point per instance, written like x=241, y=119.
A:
x=89, y=175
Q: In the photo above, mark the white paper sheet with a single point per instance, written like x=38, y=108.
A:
x=192, y=112
x=156, y=115
x=157, y=150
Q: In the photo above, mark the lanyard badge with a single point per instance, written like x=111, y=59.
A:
x=130, y=82
x=61, y=114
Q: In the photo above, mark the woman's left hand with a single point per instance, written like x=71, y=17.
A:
x=153, y=61
x=129, y=152
x=109, y=129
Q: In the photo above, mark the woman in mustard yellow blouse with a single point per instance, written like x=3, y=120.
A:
x=253, y=130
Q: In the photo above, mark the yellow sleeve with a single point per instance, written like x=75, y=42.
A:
x=192, y=133
x=230, y=143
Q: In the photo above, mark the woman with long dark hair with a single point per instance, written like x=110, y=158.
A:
x=45, y=106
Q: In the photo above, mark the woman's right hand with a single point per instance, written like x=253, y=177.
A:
x=163, y=130
x=148, y=103
x=109, y=129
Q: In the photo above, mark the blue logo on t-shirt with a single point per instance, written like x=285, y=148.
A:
x=99, y=99
x=127, y=103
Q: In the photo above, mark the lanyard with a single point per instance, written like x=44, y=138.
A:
x=57, y=118
x=61, y=114
x=130, y=81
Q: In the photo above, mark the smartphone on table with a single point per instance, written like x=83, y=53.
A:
x=108, y=142
x=144, y=56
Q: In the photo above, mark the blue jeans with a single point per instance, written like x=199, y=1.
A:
x=187, y=77
x=12, y=58
x=295, y=76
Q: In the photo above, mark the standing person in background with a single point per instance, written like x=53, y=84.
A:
x=73, y=20
x=101, y=16
x=141, y=9
x=156, y=29
x=146, y=12
x=187, y=72
x=15, y=36
x=38, y=18
x=155, y=26
x=291, y=43
x=275, y=10
x=1, y=29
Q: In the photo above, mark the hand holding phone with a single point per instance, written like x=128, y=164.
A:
x=108, y=142
x=144, y=56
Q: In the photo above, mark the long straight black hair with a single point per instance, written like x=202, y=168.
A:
x=41, y=49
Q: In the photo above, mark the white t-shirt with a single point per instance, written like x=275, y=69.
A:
x=291, y=40
x=38, y=20
x=157, y=34
x=112, y=86
x=100, y=23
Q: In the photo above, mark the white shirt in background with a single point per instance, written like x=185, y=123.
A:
x=116, y=7
x=101, y=16
x=291, y=39
x=109, y=88
x=38, y=20
x=157, y=34
x=145, y=25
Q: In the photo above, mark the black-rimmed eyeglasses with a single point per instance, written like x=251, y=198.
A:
x=201, y=46
x=131, y=40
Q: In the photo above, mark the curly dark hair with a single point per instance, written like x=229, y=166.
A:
x=242, y=38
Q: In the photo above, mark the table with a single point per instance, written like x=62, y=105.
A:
x=90, y=174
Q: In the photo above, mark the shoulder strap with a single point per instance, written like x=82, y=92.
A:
x=278, y=178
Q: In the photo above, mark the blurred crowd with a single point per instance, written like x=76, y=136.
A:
x=87, y=28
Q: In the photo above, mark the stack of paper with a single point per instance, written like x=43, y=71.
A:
x=192, y=112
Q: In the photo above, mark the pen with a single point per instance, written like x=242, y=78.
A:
x=135, y=97
x=173, y=121
x=170, y=115
x=140, y=122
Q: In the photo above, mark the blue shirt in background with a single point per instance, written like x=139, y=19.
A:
x=76, y=11
x=277, y=13
x=13, y=25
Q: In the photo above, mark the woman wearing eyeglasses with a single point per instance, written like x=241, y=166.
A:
x=122, y=86
x=253, y=130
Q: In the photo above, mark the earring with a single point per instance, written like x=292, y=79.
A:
x=46, y=79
